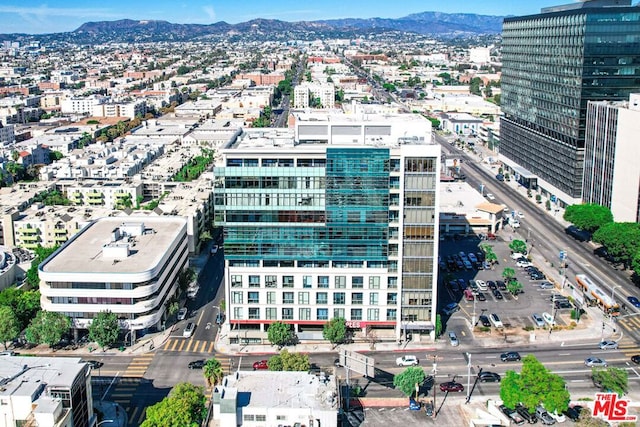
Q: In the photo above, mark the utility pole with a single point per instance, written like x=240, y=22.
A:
x=468, y=377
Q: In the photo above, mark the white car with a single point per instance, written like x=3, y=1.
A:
x=517, y=255
x=523, y=263
x=407, y=360
x=548, y=318
x=515, y=224
x=453, y=339
x=490, y=196
x=560, y=418
x=182, y=314
x=496, y=320
x=482, y=285
x=520, y=214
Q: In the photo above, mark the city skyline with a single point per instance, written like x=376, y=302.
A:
x=31, y=17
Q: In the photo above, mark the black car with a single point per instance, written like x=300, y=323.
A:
x=94, y=364
x=488, y=377
x=536, y=275
x=635, y=359
x=501, y=285
x=511, y=356
x=485, y=321
x=428, y=409
x=480, y=256
x=562, y=304
x=573, y=412
x=480, y=296
x=524, y=413
x=497, y=294
x=196, y=364
x=492, y=285
x=219, y=319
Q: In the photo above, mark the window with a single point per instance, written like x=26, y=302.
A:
x=392, y=298
x=391, y=314
x=303, y=298
x=236, y=297
x=287, y=281
x=373, y=298
x=254, y=313
x=374, y=282
x=254, y=281
x=307, y=281
x=356, y=314
x=253, y=297
x=338, y=312
x=287, y=314
x=248, y=417
x=321, y=298
x=373, y=314
x=287, y=297
x=272, y=313
x=237, y=312
x=271, y=298
x=338, y=298
x=357, y=282
x=281, y=417
x=323, y=281
x=261, y=417
x=392, y=282
x=271, y=281
x=341, y=282
x=305, y=313
x=236, y=281
x=323, y=314
x=356, y=298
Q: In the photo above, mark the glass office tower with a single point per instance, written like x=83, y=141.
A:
x=315, y=230
x=553, y=64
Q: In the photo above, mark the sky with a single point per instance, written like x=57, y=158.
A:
x=37, y=17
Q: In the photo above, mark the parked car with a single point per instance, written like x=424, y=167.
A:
x=496, y=320
x=480, y=296
x=578, y=234
x=635, y=359
x=514, y=223
x=500, y=177
x=492, y=285
x=197, y=364
x=546, y=285
x=450, y=308
x=497, y=294
x=512, y=414
x=219, y=319
x=560, y=418
x=451, y=386
x=548, y=319
x=536, y=275
x=482, y=285
x=501, y=285
x=538, y=320
x=413, y=405
x=472, y=257
x=520, y=214
x=523, y=263
x=516, y=255
x=560, y=305
x=634, y=301
x=490, y=197
x=407, y=360
x=510, y=356
x=491, y=236
x=544, y=416
x=428, y=408
x=595, y=362
x=453, y=339
x=485, y=321
x=488, y=377
x=528, y=416
x=182, y=313
x=260, y=365
x=608, y=345
x=573, y=412
x=95, y=364
x=188, y=331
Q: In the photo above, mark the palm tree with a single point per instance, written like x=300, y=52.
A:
x=213, y=372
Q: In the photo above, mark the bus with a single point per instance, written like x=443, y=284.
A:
x=596, y=295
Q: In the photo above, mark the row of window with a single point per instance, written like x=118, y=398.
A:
x=271, y=313
x=322, y=298
x=322, y=282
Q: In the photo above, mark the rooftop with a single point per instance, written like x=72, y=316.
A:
x=24, y=376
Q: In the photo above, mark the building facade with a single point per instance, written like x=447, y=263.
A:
x=323, y=226
x=554, y=63
x=129, y=268
x=611, y=169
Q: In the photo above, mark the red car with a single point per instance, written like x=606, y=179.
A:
x=451, y=386
x=260, y=364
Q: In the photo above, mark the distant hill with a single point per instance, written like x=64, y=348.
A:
x=436, y=24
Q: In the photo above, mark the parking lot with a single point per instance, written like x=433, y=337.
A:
x=514, y=312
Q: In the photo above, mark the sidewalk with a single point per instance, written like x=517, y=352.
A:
x=113, y=415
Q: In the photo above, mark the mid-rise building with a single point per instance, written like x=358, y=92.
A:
x=339, y=221
x=304, y=95
x=129, y=268
x=554, y=63
x=611, y=168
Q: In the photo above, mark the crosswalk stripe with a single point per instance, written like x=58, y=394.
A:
x=143, y=415
x=211, y=347
x=182, y=345
x=203, y=346
x=133, y=415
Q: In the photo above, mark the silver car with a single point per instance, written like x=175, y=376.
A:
x=595, y=361
x=538, y=320
x=453, y=339
x=608, y=345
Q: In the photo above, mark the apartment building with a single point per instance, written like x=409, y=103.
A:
x=46, y=391
x=130, y=110
x=554, y=63
x=80, y=105
x=338, y=220
x=129, y=267
x=303, y=95
x=611, y=170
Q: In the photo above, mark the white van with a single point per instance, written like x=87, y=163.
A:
x=188, y=331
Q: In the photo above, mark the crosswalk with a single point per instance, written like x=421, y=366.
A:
x=125, y=389
x=628, y=345
x=189, y=345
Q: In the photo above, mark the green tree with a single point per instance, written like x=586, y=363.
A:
x=9, y=325
x=438, y=330
x=212, y=371
x=104, y=329
x=335, y=330
x=514, y=287
x=611, y=379
x=435, y=123
x=588, y=216
x=508, y=273
x=406, y=380
x=622, y=240
x=275, y=363
x=47, y=327
x=286, y=361
x=55, y=156
x=510, y=391
x=489, y=254
x=184, y=407
x=280, y=334
x=518, y=246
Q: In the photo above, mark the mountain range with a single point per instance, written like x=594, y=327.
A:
x=436, y=24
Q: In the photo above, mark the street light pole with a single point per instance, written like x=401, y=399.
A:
x=468, y=377
x=473, y=316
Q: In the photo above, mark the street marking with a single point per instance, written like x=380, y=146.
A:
x=203, y=346
x=564, y=354
x=133, y=414
x=175, y=343
x=182, y=345
x=211, y=349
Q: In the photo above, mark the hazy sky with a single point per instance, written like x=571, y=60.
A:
x=36, y=17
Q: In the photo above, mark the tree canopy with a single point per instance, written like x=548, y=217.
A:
x=47, y=327
x=184, y=407
x=335, y=330
x=213, y=371
x=286, y=361
x=104, y=329
x=280, y=334
x=406, y=380
x=533, y=386
x=518, y=246
x=508, y=273
x=514, y=287
x=588, y=216
x=24, y=304
x=611, y=379
x=9, y=325
x=622, y=240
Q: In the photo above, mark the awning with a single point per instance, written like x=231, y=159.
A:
x=412, y=326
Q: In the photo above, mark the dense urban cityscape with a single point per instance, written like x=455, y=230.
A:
x=431, y=219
